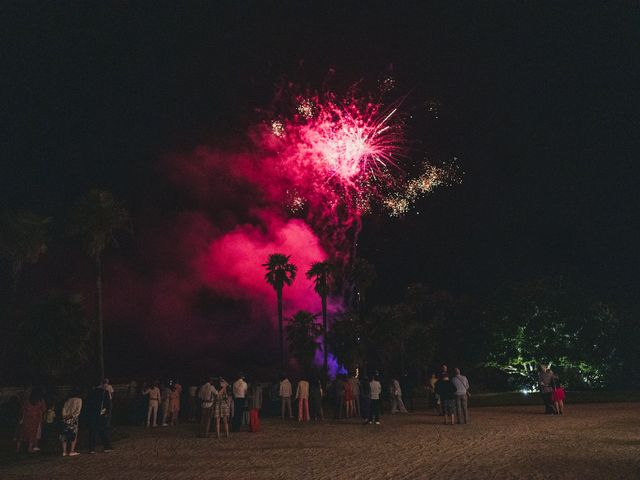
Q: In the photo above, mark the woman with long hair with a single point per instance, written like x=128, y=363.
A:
x=222, y=406
x=32, y=412
x=70, y=417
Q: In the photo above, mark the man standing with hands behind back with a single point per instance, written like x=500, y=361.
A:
x=239, y=392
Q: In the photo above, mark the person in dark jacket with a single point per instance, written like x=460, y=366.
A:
x=98, y=410
x=447, y=391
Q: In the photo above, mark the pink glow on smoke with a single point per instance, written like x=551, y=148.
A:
x=299, y=189
x=232, y=264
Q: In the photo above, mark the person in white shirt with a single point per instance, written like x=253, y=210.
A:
x=107, y=387
x=70, y=415
x=207, y=397
x=239, y=393
x=462, y=391
x=375, y=389
x=154, y=403
x=285, y=396
x=302, y=395
x=397, y=405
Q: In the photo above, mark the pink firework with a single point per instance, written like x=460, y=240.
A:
x=346, y=140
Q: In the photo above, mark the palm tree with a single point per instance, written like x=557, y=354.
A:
x=23, y=239
x=302, y=336
x=322, y=274
x=280, y=273
x=97, y=218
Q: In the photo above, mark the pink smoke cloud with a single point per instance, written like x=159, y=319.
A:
x=232, y=264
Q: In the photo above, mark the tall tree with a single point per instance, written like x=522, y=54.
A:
x=96, y=219
x=280, y=272
x=346, y=340
x=302, y=336
x=23, y=240
x=322, y=274
x=55, y=337
x=363, y=274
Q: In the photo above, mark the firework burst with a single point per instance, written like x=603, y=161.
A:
x=343, y=157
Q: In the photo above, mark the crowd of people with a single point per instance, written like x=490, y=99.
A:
x=220, y=407
x=37, y=419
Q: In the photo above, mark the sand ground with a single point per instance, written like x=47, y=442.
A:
x=596, y=441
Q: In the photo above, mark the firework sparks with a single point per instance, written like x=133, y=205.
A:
x=295, y=202
x=387, y=84
x=306, y=108
x=342, y=158
x=345, y=141
x=399, y=203
x=277, y=128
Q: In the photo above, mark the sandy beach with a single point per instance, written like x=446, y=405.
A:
x=596, y=441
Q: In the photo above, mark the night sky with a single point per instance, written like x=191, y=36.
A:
x=539, y=103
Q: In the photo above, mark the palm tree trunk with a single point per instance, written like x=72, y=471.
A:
x=324, y=333
x=99, y=316
x=280, y=333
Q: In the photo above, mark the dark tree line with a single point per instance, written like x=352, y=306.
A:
x=48, y=335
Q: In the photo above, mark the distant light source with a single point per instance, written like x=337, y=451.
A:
x=525, y=391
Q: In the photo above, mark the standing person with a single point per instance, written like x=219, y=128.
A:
x=98, y=410
x=141, y=405
x=355, y=390
x=338, y=390
x=174, y=402
x=193, y=402
x=315, y=398
x=70, y=417
x=285, y=396
x=154, y=402
x=375, y=390
x=207, y=396
x=461, y=384
x=545, y=381
x=106, y=385
x=557, y=396
x=222, y=406
x=407, y=385
x=365, y=400
x=348, y=399
x=433, y=397
x=302, y=395
x=239, y=393
x=165, y=394
x=397, y=405
x=446, y=391
x=31, y=422
x=255, y=406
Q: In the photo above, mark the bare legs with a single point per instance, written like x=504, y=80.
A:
x=226, y=426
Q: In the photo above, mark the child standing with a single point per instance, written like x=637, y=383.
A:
x=557, y=397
